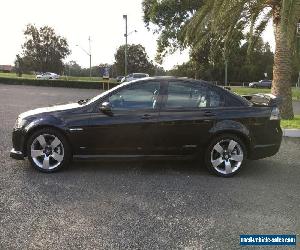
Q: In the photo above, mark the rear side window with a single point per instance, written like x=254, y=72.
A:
x=193, y=95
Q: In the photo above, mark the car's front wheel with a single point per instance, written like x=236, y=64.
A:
x=225, y=155
x=48, y=150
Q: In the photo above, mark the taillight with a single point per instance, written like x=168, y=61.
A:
x=275, y=114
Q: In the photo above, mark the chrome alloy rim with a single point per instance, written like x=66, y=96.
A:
x=227, y=156
x=47, y=151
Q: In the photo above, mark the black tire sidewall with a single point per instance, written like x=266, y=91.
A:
x=61, y=137
x=214, y=141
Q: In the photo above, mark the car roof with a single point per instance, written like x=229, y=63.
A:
x=172, y=78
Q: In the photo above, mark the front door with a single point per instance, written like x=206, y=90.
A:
x=130, y=127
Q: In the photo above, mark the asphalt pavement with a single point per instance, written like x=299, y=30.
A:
x=138, y=204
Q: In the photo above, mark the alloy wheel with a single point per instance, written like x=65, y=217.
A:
x=227, y=156
x=47, y=151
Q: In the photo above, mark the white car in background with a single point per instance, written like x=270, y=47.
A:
x=134, y=76
x=47, y=76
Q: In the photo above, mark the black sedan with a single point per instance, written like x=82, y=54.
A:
x=153, y=117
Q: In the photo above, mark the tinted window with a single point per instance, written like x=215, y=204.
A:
x=190, y=95
x=139, y=75
x=137, y=96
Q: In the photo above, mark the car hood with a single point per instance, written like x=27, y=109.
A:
x=55, y=108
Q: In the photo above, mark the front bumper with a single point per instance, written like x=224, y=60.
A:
x=17, y=155
x=18, y=151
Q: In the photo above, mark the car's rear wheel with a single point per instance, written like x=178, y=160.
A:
x=48, y=151
x=225, y=155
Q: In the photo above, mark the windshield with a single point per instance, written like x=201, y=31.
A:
x=105, y=93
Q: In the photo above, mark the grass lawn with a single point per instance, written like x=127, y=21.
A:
x=71, y=78
x=13, y=75
x=249, y=91
x=295, y=123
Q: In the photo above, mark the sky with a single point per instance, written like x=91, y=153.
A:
x=76, y=20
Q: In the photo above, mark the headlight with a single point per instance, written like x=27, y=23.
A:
x=19, y=123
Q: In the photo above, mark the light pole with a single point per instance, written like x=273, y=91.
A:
x=89, y=54
x=126, y=36
x=226, y=66
x=298, y=37
x=126, y=42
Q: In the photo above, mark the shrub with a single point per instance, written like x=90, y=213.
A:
x=57, y=83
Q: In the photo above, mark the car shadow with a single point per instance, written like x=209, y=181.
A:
x=151, y=167
x=141, y=166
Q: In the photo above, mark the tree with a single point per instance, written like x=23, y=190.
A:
x=137, y=58
x=221, y=18
x=43, y=49
x=169, y=16
x=72, y=68
x=241, y=68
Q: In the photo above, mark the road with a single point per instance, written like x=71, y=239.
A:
x=136, y=204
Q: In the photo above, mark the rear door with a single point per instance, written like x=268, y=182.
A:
x=188, y=112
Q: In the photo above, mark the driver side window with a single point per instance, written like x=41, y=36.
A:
x=138, y=96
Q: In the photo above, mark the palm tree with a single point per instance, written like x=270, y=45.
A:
x=224, y=17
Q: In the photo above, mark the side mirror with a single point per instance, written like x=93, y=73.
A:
x=106, y=108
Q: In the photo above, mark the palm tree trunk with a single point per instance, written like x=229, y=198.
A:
x=282, y=70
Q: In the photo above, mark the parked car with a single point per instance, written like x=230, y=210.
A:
x=153, y=117
x=119, y=78
x=134, y=76
x=47, y=76
x=261, y=84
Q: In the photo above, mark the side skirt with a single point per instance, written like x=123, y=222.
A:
x=101, y=157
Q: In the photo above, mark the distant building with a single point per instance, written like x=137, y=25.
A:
x=6, y=68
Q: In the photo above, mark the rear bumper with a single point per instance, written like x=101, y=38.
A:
x=267, y=141
x=17, y=155
x=263, y=151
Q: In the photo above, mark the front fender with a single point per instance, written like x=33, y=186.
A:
x=44, y=121
x=35, y=123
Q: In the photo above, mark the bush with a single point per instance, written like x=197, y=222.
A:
x=57, y=83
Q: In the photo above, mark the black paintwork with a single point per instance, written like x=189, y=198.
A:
x=154, y=132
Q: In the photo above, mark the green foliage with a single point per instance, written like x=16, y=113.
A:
x=192, y=23
x=59, y=83
x=61, y=78
x=137, y=59
x=208, y=64
x=169, y=18
x=72, y=68
x=43, y=49
x=292, y=123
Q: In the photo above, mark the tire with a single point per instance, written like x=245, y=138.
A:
x=48, y=150
x=225, y=155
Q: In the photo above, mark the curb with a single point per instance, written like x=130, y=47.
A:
x=291, y=133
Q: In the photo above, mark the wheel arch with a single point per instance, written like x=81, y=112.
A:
x=245, y=138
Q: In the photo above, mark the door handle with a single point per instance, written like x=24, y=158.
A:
x=146, y=117
x=209, y=114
